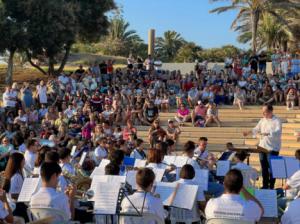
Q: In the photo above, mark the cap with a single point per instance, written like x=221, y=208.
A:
x=199, y=102
x=170, y=121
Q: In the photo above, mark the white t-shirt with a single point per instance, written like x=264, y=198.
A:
x=42, y=92
x=152, y=204
x=291, y=214
x=49, y=197
x=100, y=152
x=294, y=183
x=16, y=183
x=9, y=98
x=29, y=159
x=232, y=206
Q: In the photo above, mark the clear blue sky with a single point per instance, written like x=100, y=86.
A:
x=191, y=18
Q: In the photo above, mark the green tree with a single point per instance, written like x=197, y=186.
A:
x=250, y=12
x=188, y=52
x=53, y=26
x=120, y=39
x=12, y=37
x=168, y=45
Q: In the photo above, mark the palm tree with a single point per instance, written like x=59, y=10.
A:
x=168, y=45
x=120, y=39
x=250, y=12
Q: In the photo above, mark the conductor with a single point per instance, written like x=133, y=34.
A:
x=268, y=130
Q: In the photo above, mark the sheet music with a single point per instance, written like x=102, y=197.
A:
x=83, y=156
x=268, y=199
x=140, y=163
x=185, y=196
x=292, y=165
x=29, y=187
x=130, y=178
x=278, y=168
x=106, y=179
x=73, y=150
x=106, y=198
x=201, y=177
x=180, y=161
x=104, y=162
x=165, y=191
x=98, y=171
x=223, y=166
x=169, y=159
x=159, y=173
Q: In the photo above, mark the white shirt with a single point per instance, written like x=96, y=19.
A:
x=152, y=204
x=100, y=152
x=63, y=79
x=137, y=155
x=29, y=159
x=9, y=99
x=42, y=92
x=291, y=214
x=16, y=183
x=49, y=197
x=294, y=183
x=273, y=127
x=253, y=173
x=232, y=207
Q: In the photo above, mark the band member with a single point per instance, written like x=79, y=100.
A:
x=269, y=131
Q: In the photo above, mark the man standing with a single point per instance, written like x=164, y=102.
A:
x=269, y=130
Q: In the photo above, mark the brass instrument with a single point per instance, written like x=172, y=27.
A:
x=81, y=181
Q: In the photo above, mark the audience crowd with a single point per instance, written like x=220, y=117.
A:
x=98, y=110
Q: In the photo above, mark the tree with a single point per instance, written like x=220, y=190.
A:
x=53, y=26
x=188, y=52
x=12, y=37
x=120, y=39
x=168, y=45
x=250, y=12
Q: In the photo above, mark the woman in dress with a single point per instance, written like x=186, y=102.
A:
x=27, y=99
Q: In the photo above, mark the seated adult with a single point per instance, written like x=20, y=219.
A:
x=156, y=133
x=143, y=199
x=150, y=113
x=47, y=196
x=183, y=114
x=231, y=205
x=199, y=114
x=291, y=214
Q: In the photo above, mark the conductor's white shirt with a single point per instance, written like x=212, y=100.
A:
x=232, y=206
x=151, y=205
x=47, y=197
x=273, y=127
x=294, y=183
x=291, y=214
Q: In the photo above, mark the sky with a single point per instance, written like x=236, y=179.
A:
x=190, y=18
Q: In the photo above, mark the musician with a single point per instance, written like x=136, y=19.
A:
x=269, y=130
x=187, y=174
x=228, y=154
x=100, y=151
x=65, y=158
x=14, y=181
x=291, y=214
x=112, y=169
x=143, y=199
x=31, y=153
x=231, y=204
x=47, y=196
x=201, y=152
x=138, y=152
x=239, y=159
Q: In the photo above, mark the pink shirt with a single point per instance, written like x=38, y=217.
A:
x=183, y=112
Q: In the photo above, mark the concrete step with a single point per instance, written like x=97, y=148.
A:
x=202, y=130
x=293, y=120
x=291, y=125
